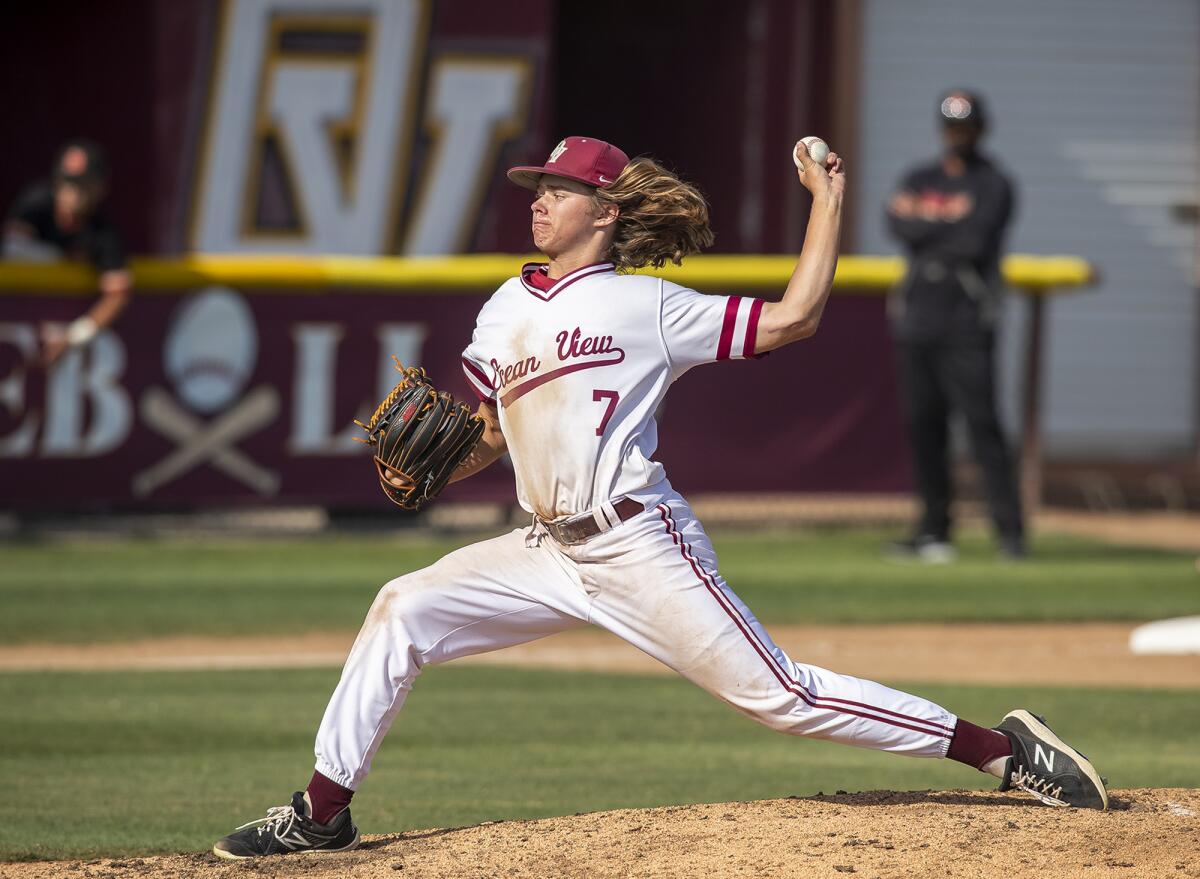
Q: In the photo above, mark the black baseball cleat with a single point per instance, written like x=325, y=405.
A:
x=1047, y=767
x=287, y=829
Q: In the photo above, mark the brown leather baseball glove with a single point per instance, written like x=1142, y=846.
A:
x=420, y=435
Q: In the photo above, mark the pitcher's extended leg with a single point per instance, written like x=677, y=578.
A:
x=660, y=591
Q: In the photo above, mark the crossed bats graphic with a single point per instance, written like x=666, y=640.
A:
x=212, y=442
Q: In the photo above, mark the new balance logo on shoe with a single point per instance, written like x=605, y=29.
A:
x=1047, y=759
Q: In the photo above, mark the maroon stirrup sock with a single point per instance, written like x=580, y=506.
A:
x=327, y=798
x=977, y=746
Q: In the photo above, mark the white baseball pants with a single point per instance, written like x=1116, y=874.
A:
x=653, y=581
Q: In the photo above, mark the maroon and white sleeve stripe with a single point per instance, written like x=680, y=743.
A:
x=479, y=382
x=740, y=328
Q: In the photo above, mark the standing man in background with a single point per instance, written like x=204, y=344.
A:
x=63, y=218
x=951, y=216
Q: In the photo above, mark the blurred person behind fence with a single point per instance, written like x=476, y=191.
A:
x=951, y=215
x=64, y=218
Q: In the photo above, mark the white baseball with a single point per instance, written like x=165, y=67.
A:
x=817, y=149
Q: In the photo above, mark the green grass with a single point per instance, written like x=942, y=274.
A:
x=131, y=763
x=137, y=588
x=841, y=577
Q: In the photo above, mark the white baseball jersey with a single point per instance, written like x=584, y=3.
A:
x=578, y=370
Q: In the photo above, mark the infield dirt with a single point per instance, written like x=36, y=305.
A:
x=957, y=834
x=1076, y=654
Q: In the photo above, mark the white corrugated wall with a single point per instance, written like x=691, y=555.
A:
x=1095, y=109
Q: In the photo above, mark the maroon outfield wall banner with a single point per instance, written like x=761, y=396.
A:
x=383, y=127
x=224, y=396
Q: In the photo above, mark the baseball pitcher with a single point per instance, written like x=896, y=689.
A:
x=570, y=360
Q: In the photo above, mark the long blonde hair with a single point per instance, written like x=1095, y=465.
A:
x=660, y=217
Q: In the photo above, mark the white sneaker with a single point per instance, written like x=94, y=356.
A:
x=924, y=547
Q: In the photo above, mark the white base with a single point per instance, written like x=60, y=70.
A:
x=1180, y=635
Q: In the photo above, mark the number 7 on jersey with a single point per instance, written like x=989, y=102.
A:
x=612, y=397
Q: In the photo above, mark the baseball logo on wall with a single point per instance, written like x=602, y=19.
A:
x=209, y=354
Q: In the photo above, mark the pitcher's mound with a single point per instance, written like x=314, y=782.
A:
x=1151, y=833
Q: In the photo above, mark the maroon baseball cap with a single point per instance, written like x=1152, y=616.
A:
x=583, y=159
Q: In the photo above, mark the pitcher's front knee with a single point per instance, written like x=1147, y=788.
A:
x=402, y=610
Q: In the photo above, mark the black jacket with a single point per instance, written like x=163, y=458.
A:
x=953, y=286
x=98, y=242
